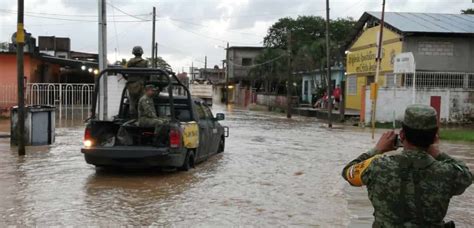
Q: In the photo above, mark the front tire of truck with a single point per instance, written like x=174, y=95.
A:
x=188, y=161
x=221, y=147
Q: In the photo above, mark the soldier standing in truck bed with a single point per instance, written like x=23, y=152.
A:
x=135, y=83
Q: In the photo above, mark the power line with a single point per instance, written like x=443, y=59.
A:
x=260, y=64
x=206, y=26
x=212, y=38
x=69, y=19
x=67, y=15
x=131, y=15
x=117, y=47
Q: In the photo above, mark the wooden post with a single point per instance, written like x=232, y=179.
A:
x=20, y=43
x=289, y=85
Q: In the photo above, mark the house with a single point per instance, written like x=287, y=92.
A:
x=46, y=66
x=240, y=60
x=312, y=80
x=443, y=47
x=214, y=75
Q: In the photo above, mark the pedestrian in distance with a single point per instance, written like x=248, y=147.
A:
x=135, y=83
x=412, y=188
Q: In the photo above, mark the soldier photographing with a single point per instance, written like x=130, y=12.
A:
x=413, y=188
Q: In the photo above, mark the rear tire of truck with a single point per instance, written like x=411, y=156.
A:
x=188, y=161
x=221, y=145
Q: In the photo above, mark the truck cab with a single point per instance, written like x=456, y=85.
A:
x=191, y=136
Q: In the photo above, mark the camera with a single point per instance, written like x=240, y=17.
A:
x=397, y=143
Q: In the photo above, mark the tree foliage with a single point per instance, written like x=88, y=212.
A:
x=308, y=46
x=468, y=11
x=160, y=63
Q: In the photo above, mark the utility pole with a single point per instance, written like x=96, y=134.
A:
x=103, y=57
x=192, y=70
x=153, y=60
x=289, y=84
x=227, y=74
x=20, y=43
x=374, y=86
x=328, y=67
x=205, y=68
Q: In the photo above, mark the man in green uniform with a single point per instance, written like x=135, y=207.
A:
x=147, y=116
x=135, y=83
x=413, y=188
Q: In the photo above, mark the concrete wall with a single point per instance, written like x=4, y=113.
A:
x=444, y=54
x=271, y=100
x=457, y=105
x=235, y=55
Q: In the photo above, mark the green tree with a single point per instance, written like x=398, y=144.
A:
x=305, y=30
x=308, y=34
x=468, y=11
x=160, y=63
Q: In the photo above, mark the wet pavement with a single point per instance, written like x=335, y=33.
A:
x=274, y=172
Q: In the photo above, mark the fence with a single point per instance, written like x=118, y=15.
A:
x=8, y=95
x=72, y=101
x=448, y=80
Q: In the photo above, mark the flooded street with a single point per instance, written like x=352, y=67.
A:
x=274, y=172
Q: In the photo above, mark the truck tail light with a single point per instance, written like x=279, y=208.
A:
x=87, y=137
x=175, y=138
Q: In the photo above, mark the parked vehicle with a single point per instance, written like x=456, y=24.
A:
x=192, y=135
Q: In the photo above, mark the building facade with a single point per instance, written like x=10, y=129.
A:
x=240, y=60
x=310, y=81
x=443, y=48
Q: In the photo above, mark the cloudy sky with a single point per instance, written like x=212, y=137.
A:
x=187, y=30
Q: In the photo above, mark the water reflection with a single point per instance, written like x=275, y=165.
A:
x=274, y=172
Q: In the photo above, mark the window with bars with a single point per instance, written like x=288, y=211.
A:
x=441, y=80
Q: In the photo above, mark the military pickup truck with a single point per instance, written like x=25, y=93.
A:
x=192, y=135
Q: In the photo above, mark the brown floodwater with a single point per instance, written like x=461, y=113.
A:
x=274, y=172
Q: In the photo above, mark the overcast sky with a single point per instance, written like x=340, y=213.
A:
x=187, y=30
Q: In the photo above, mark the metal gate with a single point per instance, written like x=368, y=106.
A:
x=72, y=101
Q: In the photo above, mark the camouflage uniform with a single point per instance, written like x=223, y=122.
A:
x=147, y=114
x=410, y=189
x=135, y=83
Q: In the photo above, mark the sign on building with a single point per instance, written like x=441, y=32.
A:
x=404, y=63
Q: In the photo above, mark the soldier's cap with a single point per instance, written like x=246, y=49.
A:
x=420, y=117
x=150, y=86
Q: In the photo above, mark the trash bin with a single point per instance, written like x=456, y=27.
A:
x=39, y=125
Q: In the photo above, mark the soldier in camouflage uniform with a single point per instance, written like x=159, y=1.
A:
x=135, y=83
x=413, y=188
x=147, y=116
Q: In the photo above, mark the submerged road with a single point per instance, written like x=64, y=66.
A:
x=274, y=172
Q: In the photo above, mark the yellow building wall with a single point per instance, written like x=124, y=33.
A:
x=361, y=60
x=354, y=101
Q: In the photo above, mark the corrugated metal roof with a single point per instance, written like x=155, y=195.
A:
x=429, y=22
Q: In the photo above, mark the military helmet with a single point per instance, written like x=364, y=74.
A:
x=137, y=50
x=420, y=117
x=150, y=86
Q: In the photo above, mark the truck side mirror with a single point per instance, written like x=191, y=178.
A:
x=220, y=116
